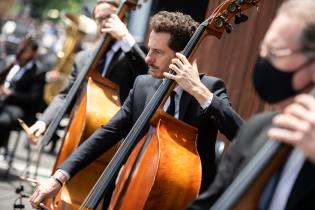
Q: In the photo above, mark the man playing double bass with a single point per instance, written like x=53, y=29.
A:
x=204, y=105
x=285, y=67
x=122, y=63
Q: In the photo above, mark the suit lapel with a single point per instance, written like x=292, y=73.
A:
x=184, y=100
x=183, y=104
x=115, y=60
x=26, y=75
x=151, y=91
x=101, y=65
x=303, y=186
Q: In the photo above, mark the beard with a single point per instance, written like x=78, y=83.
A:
x=155, y=72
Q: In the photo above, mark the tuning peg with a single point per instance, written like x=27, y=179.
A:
x=240, y=18
x=237, y=19
x=244, y=18
x=228, y=28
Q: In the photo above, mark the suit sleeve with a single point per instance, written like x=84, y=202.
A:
x=59, y=99
x=136, y=57
x=220, y=110
x=102, y=139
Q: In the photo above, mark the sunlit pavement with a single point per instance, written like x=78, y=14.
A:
x=14, y=189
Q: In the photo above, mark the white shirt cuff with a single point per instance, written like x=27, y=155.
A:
x=127, y=43
x=66, y=174
x=207, y=104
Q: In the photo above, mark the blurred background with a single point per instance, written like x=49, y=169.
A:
x=45, y=20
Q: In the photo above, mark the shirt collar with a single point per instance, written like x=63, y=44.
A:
x=116, y=46
x=28, y=65
x=178, y=90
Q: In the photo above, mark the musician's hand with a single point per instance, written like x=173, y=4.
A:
x=53, y=76
x=297, y=125
x=43, y=207
x=5, y=91
x=36, y=130
x=46, y=190
x=115, y=27
x=187, y=77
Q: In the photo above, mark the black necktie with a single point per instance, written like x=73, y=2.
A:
x=171, y=107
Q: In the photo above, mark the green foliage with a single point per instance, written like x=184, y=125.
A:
x=41, y=7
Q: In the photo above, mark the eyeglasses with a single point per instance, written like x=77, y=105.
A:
x=274, y=52
x=99, y=20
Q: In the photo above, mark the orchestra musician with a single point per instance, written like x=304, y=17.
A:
x=284, y=69
x=21, y=89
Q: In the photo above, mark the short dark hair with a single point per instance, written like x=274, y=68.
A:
x=29, y=42
x=181, y=27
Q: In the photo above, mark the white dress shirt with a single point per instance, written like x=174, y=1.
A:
x=179, y=91
x=17, y=70
x=125, y=45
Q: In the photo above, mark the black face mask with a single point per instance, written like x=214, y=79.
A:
x=272, y=84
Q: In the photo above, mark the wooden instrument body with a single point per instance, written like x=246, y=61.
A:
x=98, y=103
x=167, y=175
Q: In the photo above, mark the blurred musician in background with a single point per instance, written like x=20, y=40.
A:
x=21, y=89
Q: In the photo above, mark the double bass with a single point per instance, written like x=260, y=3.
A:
x=97, y=103
x=152, y=177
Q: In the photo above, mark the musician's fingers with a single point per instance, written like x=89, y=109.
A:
x=285, y=135
x=308, y=101
x=183, y=58
x=290, y=122
x=34, y=199
x=43, y=207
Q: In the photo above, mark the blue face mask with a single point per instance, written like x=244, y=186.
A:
x=272, y=84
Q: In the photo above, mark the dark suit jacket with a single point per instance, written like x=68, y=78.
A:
x=123, y=70
x=248, y=141
x=27, y=91
x=218, y=116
